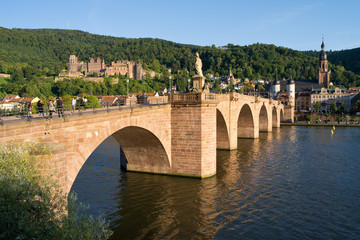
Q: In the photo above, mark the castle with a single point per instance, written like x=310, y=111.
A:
x=97, y=65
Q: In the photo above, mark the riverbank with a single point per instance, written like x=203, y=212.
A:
x=330, y=124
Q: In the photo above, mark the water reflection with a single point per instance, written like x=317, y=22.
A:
x=292, y=183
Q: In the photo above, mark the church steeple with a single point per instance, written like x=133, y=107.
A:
x=324, y=74
x=323, y=55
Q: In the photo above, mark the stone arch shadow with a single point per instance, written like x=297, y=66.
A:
x=222, y=133
x=141, y=150
x=281, y=115
x=246, y=123
x=263, y=119
x=274, y=117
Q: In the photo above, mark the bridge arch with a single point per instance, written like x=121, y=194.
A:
x=222, y=133
x=281, y=115
x=274, y=117
x=263, y=119
x=246, y=124
x=142, y=150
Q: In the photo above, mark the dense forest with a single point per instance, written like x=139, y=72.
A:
x=33, y=56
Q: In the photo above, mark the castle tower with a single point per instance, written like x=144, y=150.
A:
x=324, y=74
x=73, y=64
x=138, y=71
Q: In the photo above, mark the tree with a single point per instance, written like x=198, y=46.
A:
x=347, y=118
x=31, y=205
x=342, y=107
x=308, y=118
x=356, y=119
x=317, y=107
x=326, y=115
x=333, y=107
x=317, y=120
x=338, y=119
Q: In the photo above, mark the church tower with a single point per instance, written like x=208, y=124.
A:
x=324, y=74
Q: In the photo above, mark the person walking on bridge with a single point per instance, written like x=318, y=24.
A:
x=51, y=108
x=40, y=107
x=73, y=105
x=60, y=107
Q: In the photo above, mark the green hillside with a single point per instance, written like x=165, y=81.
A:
x=51, y=48
x=31, y=53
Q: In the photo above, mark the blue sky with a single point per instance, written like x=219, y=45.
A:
x=295, y=24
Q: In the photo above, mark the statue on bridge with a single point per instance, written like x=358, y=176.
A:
x=199, y=79
x=198, y=65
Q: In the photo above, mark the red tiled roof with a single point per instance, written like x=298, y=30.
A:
x=150, y=94
x=4, y=102
x=10, y=97
x=108, y=99
x=26, y=100
x=15, y=100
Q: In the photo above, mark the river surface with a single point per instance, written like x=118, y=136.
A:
x=293, y=183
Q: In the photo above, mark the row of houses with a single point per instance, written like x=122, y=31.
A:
x=11, y=102
x=306, y=100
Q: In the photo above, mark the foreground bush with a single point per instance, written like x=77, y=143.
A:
x=31, y=205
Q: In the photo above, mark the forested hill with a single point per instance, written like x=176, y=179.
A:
x=49, y=49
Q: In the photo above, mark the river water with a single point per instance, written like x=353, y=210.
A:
x=293, y=183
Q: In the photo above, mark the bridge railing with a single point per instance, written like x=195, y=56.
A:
x=22, y=113
x=193, y=98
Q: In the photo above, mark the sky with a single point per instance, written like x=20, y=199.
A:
x=294, y=24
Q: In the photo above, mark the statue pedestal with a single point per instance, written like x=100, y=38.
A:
x=198, y=82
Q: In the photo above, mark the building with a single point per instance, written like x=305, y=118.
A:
x=326, y=97
x=97, y=65
x=275, y=87
x=302, y=101
x=109, y=101
x=5, y=105
x=285, y=96
x=324, y=73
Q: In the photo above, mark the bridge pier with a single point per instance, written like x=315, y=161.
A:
x=193, y=141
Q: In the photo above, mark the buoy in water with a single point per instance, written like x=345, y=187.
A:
x=332, y=132
x=334, y=127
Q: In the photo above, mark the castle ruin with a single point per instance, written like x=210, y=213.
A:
x=97, y=65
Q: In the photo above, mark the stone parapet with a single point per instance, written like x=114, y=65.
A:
x=194, y=98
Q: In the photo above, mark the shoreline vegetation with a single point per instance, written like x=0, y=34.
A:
x=32, y=205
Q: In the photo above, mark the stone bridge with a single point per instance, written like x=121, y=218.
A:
x=179, y=138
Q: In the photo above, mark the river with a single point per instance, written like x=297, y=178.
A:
x=292, y=183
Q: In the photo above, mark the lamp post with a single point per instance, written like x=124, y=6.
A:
x=170, y=84
x=188, y=85
x=127, y=87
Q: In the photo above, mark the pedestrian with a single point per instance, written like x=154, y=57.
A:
x=30, y=109
x=60, y=107
x=40, y=106
x=85, y=101
x=51, y=108
x=73, y=105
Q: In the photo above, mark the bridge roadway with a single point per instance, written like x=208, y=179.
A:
x=179, y=138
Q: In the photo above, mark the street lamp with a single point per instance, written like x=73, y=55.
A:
x=189, y=85
x=127, y=86
x=170, y=84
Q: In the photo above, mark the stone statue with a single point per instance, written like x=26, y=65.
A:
x=198, y=65
x=206, y=88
